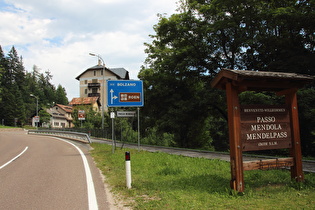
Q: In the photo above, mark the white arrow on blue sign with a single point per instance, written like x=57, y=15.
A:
x=125, y=93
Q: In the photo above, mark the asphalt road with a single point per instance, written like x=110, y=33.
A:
x=40, y=172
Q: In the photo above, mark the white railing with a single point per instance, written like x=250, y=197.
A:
x=83, y=137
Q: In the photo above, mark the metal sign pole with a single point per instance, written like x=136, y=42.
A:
x=125, y=93
x=138, y=128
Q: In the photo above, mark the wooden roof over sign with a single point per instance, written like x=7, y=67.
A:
x=260, y=80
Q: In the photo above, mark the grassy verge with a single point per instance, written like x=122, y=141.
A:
x=2, y=126
x=25, y=127
x=163, y=181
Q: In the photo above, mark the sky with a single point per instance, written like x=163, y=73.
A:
x=58, y=35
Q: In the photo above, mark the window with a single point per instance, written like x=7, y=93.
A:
x=85, y=81
x=85, y=91
x=94, y=73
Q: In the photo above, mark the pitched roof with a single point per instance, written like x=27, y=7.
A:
x=121, y=73
x=260, y=80
x=56, y=114
x=65, y=108
x=84, y=101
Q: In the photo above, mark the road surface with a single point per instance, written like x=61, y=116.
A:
x=40, y=172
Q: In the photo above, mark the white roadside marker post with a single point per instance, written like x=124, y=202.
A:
x=128, y=170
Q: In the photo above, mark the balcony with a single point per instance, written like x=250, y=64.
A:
x=94, y=95
x=94, y=85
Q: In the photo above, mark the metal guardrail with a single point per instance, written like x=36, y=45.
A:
x=83, y=137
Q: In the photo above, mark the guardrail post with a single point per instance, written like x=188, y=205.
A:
x=128, y=170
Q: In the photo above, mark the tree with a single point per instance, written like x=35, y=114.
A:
x=44, y=116
x=177, y=83
x=92, y=118
x=47, y=91
x=61, y=95
x=306, y=101
x=1, y=70
x=189, y=49
x=16, y=85
x=13, y=81
x=259, y=35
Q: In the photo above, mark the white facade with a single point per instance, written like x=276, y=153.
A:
x=60, y=117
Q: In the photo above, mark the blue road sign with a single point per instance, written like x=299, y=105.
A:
x=125, y=93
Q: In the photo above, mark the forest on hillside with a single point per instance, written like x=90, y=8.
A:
x=17, y=106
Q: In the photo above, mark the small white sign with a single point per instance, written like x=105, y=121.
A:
x=36, y=119
x=112, y=115
x=126, y=113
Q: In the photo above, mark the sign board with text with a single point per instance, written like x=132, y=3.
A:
x=36, y=119
x=260, y=127
x=81, y=115
x=265, y=127
x=126, y=113
x=125, y=93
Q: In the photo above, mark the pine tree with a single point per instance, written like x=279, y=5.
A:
x=1, y=71
x=61, y=96
x=16, y=85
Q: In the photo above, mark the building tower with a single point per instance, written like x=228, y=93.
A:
x=93, y=81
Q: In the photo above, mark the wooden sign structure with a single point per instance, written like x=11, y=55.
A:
x=258, y=127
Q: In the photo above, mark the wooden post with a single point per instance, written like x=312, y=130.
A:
x=295, y=151
x=236, y=159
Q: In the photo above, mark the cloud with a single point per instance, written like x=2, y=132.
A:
x=17, y=28
x=59, y=35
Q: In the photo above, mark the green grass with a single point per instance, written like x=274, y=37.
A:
x=2, y=126
x=164, y=181
x=25, y=127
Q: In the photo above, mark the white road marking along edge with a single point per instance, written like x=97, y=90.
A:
x=89, y=180
x=16, y=157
